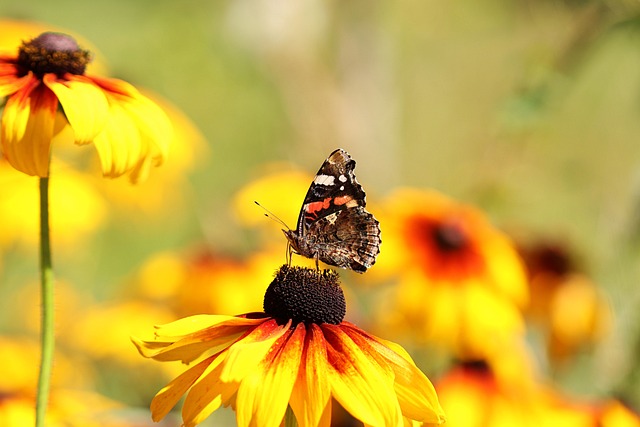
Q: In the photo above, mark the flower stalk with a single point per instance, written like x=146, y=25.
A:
x=47, y=319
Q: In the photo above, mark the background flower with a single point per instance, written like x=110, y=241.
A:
x=460, y=282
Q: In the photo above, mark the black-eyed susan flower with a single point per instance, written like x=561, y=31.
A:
x=566, y=305
x=299, y=353
x=46, y=88
x=473, y=395
x=461, y=283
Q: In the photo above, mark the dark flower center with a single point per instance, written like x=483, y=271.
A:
x=55, y=53
x=449, y=236
x=305, y=295
x=551, y=258
x=446, y=248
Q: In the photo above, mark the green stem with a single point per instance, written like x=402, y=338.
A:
x=46, y=283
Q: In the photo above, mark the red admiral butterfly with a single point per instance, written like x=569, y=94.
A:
x=334, y=226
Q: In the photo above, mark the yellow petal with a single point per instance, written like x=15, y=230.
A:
x=247, y=353
x=264, y=394
x=27, y=129
x=119, y=146
x=311, y=396
x=84, y=105
x=137, y=135
x=360, y=385
x=207, y=394
x=186, y=339
x=167, y=398
x=192, y=324
x=9, y=82
x=416, y=394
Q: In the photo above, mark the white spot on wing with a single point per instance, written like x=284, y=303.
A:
x=324, y=180
x=342, y=178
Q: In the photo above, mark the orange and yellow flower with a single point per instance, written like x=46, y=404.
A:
x=461, y=283
x=474, y=396
x=298, y=354
x=46, y=89
x=566, y=305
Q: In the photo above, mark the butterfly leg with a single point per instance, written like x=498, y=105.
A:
x=289, y=254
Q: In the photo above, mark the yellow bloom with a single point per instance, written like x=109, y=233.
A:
x=281, y=192
x=117, y=321
x=79, y=209
x=167, y=187
x=474, y=397
x=129, y=131
x=615, y=414
x=200, y=281
x=67, y=408
x=299, y=353
x=569, y=308
x=461, y=284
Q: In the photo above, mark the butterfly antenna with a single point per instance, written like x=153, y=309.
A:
x=272, y=216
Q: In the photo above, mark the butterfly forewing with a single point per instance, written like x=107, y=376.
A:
x=333, y=225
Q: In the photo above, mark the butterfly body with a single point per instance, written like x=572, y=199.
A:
x=334, y=226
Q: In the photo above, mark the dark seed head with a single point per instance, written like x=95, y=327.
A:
x=305, y=295
x=449, y=236
x=55, y=53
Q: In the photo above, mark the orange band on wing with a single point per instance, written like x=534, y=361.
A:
x=342, y=200
x=314, y=207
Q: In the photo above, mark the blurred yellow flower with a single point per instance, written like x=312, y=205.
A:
x=18, y=357
x=473, y=396
x=67, y=408
x=293, y=355
x=78, y=209
x=130, y=132
x=280, y=191
x=615, y=414
x=460, y=282
x=116, y=321
x=14, y=32
x=168, y=187
x=565, y=303
x=199, y=281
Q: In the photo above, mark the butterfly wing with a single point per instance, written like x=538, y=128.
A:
x=349, y=238
x=334, y=188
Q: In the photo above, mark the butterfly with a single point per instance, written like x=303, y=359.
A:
x=333, y=225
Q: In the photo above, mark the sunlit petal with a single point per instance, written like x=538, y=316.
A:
x=137, y=135
x=167, y=398
x=85, y=105
x=188, y=338
x=10, y=83
x=207, y=394
x=360, y=385
x=311, y=397
x=27, y=129
x=246, y=354
x=264, y=393
x=414, y=390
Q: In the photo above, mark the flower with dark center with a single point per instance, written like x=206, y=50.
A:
x=46, y=88
x=298, y=354
x=460, y=280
